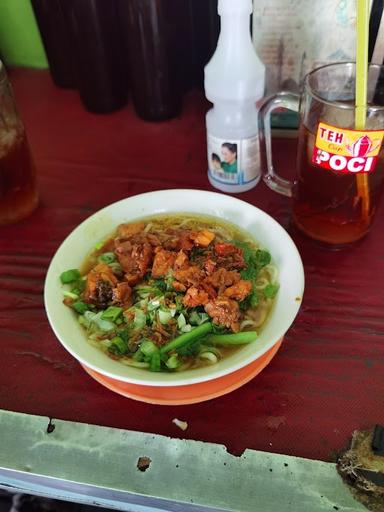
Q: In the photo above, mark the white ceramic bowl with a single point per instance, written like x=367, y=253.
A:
x=266, y=231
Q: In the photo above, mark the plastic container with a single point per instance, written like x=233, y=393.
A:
x=98, y=53
x=55, y=36
x=234, y=82
x=152, y=39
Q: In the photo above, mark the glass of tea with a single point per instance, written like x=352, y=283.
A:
x=339, y=170
x=18, y=191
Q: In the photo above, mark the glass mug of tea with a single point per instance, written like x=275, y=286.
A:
x=18, y=191
x=339, y=170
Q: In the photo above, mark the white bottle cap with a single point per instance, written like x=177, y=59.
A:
x=235, y=7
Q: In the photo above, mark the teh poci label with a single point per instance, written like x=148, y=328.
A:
x=346, y=151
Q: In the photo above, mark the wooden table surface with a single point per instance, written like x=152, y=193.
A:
x=327, y=379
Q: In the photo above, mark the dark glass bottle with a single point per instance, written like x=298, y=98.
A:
x=205, y=28
x=151, y=31
x=55, y=37
x=101, y=73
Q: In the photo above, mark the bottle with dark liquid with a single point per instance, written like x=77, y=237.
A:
x=55, y=36
x=205, y=30
x=96, y=41
x=151, y=33
x=18, y=191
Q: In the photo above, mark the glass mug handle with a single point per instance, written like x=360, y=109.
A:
x=288, y=101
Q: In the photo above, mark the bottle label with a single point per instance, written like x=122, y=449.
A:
x=346, y=151
x=233, y=162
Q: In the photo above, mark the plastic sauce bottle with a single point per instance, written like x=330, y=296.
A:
x=234, y=82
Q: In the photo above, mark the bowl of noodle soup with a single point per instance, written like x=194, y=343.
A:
x=265, y=303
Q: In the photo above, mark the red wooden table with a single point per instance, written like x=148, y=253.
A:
x=326, y=380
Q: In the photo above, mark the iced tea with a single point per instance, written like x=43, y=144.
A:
x=326, y=205
x=18, y=193
x=339, y=169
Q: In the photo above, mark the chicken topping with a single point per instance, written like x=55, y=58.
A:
x=98, y=287
x=239, y=291
x=195, y=297
x=128, y=230
x=162, y=263
x=189, y=276
x=134, y=259
x=224, y=311
x=204, y=238
x=122, y=295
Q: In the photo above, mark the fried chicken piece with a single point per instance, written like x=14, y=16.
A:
x=128, y=230
x=224, y=311
x=189, y=276
x=153, y=239
x=179, y=287
x=163, y=262
x=186, y=240
x=225, y=249
x=122, y=295
x=239, y=291
x=99, y=284
x=222, y=278
x=229, y=256
x=134, y=259
x=195, y=297
x=181, y=260
x=209, y=266
x=212, y=292
x=203, y=238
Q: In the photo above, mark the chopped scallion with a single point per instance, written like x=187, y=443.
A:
x=196, y=318
x=98, y=246
x=78, y=286
x=112, y=313
x=106, y=257
x=140, y=319
x=80, y=307
x=181, y=321
x=270, y=291
x=118, y=346
x=70, y=295
x=148, y=348
x=153, y=304
x=95, y=319
x=138, y=356
x=69, y=276
x=155, y=363
x=164, y=316
x=173, y=362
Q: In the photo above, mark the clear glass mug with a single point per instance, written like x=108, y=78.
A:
x=339, y=171
x=18, y=190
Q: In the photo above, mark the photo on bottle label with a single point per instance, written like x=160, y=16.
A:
x=233, y=162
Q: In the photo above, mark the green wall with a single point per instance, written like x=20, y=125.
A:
x=20, y=42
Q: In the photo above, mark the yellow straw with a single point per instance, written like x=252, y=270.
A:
x=362, y=28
